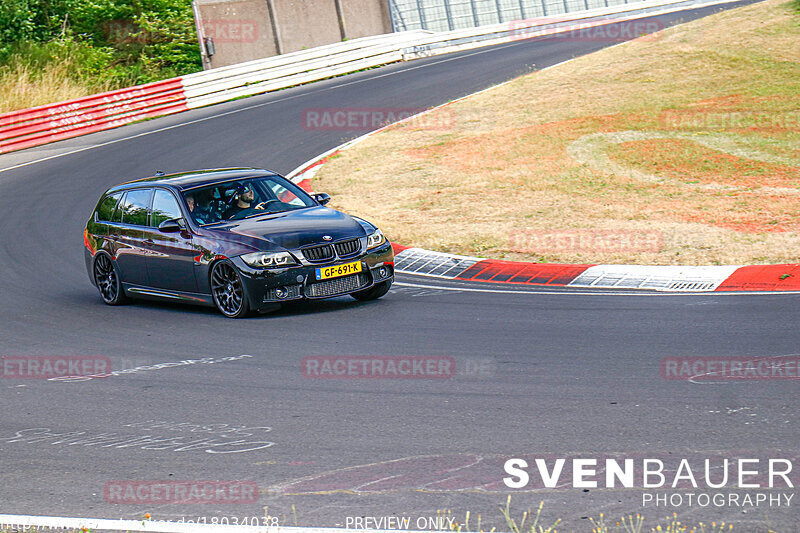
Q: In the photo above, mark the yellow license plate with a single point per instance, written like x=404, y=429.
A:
x=339, y=270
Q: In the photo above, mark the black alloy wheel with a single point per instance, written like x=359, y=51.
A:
x=228, y=291
x=107, y=280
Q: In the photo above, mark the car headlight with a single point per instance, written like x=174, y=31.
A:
x=375, y=239
x=269, y=259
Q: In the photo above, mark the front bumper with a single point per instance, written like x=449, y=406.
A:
x=269, y=286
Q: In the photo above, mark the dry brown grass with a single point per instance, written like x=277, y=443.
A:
x=22, y=87
x=692, y=134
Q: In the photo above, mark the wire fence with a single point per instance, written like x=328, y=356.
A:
x=443, y=15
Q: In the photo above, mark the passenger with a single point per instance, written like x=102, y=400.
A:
x=200, y=213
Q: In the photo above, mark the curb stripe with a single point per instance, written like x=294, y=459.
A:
x=662, y=278
x=428, y=263
x=524, y=273
x=763, y=278
x=654, y=277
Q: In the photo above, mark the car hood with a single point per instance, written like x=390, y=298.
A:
x=292, y=229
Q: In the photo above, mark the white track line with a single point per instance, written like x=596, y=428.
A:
x=60, y=522
x=488, y=49
x=599, y=292
x=159, y=130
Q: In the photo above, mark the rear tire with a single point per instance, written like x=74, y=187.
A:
x=227, y=289
x=374, y=292
x=106, y=277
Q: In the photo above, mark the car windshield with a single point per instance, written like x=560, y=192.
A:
x=244, y=198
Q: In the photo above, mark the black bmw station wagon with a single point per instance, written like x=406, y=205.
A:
x=240, y=239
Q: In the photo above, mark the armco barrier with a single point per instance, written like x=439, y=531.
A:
x=90, y=114
x=63, y=120
x=262, y=75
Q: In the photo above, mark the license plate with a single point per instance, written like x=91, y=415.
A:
x=339, y=270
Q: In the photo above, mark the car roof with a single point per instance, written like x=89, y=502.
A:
x=196, y=178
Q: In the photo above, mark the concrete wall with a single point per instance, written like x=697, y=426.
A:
x=242, y=30
x=363, y=18
x=306, y=23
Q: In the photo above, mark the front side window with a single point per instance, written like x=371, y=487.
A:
x=245, y=198
x=105, y=208
x=135, y=207
x=165, y=207
x=285, y=195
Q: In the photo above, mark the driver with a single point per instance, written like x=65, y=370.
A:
x=242, y=199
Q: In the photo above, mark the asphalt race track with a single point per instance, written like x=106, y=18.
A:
x=537, y=373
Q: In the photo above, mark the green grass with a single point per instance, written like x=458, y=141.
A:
x=54, y=50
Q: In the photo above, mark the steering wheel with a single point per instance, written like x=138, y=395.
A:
x=263, y=205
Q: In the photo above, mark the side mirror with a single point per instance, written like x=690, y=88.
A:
x=322, y=198
x=172, y=225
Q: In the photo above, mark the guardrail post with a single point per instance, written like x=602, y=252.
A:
x=273, y=20
x=474, y=13
x=544, y=8
x=198, y=24
x=448, y=14
x=340, y=18
x=396, y=17
x=499, y=11
x=421, y=11
x=522, y=9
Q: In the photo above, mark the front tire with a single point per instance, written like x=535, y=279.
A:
x=228, y=291
x=374, y=292
x=106, y=277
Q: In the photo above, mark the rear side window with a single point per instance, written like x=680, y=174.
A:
x=117, y=216
x=165, y=207
x=135, y=207
x=105, y=208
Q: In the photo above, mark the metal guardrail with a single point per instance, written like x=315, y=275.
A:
x=451, y=41
x=262, y=75
x=55, y=122
x=63, y=120
x=445, y=15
